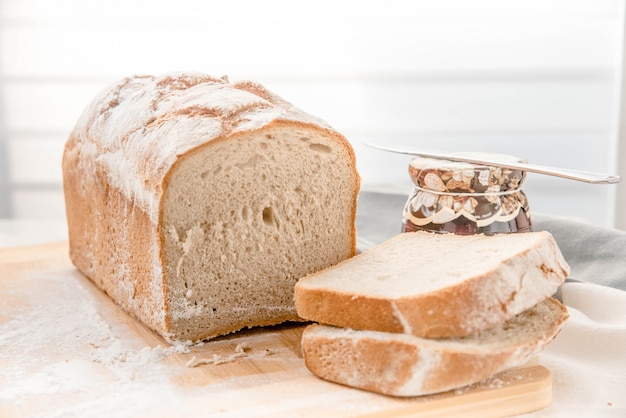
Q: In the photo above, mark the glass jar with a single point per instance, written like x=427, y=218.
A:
x=466, y=198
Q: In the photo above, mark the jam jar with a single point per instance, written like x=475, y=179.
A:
x=466, y=198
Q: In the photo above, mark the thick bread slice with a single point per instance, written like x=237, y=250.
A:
x=405, y=365
x=197, y=203
x=435, y=285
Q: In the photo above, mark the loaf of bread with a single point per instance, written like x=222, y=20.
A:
x=196, y=203
x=405, y=365
x=435, y=285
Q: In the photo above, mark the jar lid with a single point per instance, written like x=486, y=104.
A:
x=449, y=176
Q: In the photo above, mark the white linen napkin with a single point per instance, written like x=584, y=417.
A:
x=588, y=358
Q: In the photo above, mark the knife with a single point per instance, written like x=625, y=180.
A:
x=584, y=176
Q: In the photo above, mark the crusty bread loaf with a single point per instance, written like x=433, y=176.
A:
x=435, y=285
x=405, y=365
x=196, y=203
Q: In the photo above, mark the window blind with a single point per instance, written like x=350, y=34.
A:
x=535, y=79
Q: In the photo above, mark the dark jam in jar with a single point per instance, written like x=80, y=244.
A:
x=465, y=198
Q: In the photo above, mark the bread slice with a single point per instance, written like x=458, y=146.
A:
x=435, y=285
x=405, y=365
x=197, y=203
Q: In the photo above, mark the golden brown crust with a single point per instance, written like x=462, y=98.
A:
x=103, y=246
x=345, y=310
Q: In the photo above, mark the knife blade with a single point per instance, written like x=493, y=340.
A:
x=584, y=176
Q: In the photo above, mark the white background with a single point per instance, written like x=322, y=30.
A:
x=538, y=79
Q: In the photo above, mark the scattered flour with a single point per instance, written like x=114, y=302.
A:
x=67, y=356
x=85, y=354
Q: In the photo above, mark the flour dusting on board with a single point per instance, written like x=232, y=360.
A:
x=96, y=361
x=87, y=354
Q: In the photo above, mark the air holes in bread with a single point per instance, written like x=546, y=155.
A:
x=245, y=213
x=252, y=161
x=270, y=218
x=215, y=172
x=320, y=148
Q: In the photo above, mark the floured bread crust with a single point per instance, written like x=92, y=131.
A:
x=154, y=174
x=405, y=365
x=435, y=285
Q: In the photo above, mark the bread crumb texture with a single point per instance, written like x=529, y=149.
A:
x=197, y=203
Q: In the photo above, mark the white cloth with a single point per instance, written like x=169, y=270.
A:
x=588, y=358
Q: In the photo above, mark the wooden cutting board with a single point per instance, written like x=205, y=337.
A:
x=66, y=349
